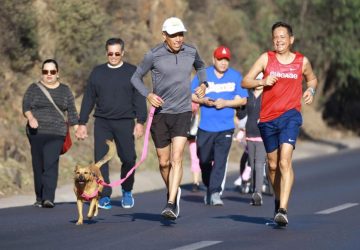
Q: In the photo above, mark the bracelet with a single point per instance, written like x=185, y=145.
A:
x=312, y=91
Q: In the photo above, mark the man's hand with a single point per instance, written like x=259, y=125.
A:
x=138, y=130
x=81, y=132
x=308, y=96
x=208, y=102
x=220, y=103
x=200, y=91
x=155, y=100
x=269, y=81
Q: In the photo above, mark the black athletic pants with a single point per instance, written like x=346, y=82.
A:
x=45, y=154
x=121, y=131
x=213, y=150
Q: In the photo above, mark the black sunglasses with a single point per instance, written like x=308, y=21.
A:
x=46, y=72
x=112, y=53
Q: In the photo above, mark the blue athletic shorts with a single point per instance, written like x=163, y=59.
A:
x=284, y=129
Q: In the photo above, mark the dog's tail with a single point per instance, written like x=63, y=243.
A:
x=110, y=154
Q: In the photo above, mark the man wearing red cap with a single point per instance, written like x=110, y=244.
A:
x=214, y=137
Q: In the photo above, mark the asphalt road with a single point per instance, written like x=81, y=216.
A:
x=323, y=214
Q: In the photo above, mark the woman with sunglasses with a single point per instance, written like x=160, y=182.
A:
x=46, y=129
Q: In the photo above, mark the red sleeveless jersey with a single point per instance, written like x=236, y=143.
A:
x=286, y=93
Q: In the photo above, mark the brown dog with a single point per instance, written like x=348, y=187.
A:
x=87, y=187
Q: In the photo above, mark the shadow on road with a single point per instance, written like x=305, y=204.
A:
x=246, y=219
x=305, y=136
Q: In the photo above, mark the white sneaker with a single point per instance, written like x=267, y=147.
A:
x=215, y=199
x=238, y=181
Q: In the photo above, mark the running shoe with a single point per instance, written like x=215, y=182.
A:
x=195, y=187
x=172, y=211
x=48, y=204
x=105, y=203
x=281, y=217
x=169, y=212
x=256, y=199
x=245, y=189
x=215, y=199
x=238, y=181
x=37, y=204
x=127, y=200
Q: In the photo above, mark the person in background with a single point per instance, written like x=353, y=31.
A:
x=240, y=122
x=120, y=114
x=46, y=129
x=255, y=145
x=280, y=117
x=171, y=63
x=216, y=128
x=195, y=167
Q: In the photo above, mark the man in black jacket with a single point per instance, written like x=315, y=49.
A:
x=117, y=105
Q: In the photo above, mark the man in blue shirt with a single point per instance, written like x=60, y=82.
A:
x=216, y=127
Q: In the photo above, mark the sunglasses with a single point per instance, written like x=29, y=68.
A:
x=112, y=53
x=46, y=72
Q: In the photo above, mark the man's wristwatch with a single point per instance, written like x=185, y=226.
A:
x=312, y=91
x=205, y=83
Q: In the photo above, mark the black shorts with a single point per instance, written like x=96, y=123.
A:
x=167, y=126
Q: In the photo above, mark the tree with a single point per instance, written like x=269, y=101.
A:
x=81, y=30
x=18, y=33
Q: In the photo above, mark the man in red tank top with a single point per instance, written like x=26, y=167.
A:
x=280, y=117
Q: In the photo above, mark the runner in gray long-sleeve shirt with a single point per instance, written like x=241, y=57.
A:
x=171, y=64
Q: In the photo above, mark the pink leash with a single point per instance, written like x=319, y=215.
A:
x=143, y=155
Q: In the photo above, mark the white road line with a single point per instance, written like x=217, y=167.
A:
x=198, y=245
x=338, y=208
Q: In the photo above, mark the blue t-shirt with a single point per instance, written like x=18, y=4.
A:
x=227, y=87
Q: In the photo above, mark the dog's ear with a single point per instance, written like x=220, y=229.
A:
x=77, y=168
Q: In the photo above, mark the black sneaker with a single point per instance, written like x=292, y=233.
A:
x=195, y=187
x=48, y=204
x=37, y=204
x=169, y=211
x=256, y=199
x=281, y=217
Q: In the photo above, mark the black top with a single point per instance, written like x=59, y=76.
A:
x=253, y=112
x=114, y=95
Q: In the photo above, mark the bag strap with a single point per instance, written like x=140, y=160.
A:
x=47, y=94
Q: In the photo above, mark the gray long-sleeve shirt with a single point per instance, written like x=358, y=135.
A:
x=171, y=73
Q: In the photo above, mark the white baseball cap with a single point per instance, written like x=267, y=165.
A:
x=173, y=25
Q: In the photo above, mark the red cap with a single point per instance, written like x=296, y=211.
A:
x=222, y=52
